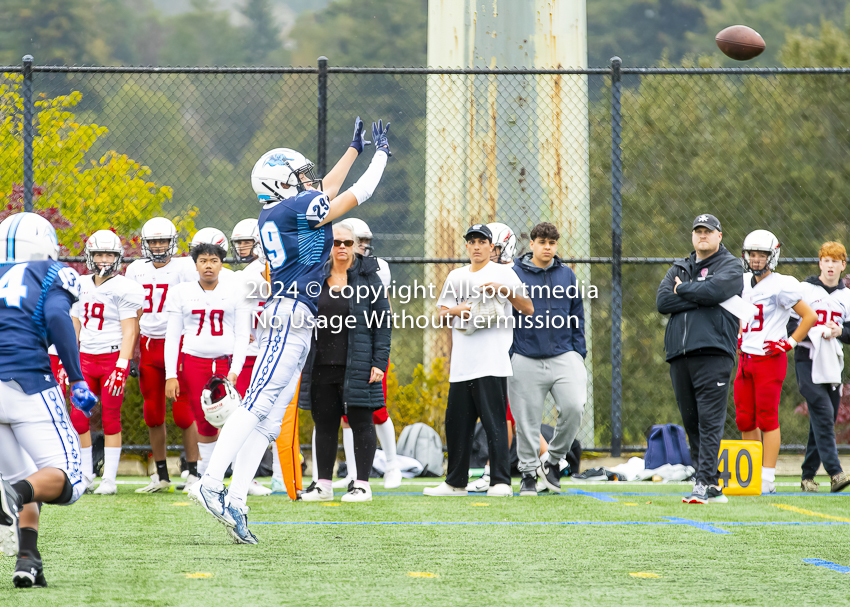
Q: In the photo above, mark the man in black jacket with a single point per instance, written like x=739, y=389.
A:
x=701, y=344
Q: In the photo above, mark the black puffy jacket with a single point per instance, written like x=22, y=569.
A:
x=697, y=322
x=368, y=346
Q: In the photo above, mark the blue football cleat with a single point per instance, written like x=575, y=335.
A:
x=212, y=500
x=240, y=533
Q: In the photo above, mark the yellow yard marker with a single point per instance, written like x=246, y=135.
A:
x=197, y=576
x=629, y=504
x=330, y=504
x=421, y=574
x=811, y=513
x=479, y=504
x=182, y=504
x=644, y=574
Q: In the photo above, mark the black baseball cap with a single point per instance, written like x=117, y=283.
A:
x=479, y=229
x=707, y=221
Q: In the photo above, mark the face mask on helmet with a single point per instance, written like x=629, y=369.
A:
x=218, y=400
x=104, y=242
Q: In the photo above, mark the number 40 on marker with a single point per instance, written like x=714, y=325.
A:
x=740, y=467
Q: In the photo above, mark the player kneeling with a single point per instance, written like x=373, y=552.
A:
x=106, y=319
x=39, y=452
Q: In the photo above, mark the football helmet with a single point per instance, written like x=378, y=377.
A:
x=209, y=236
x=159, y=228
x=247, y=229
x=505, y=239
x=761, y=240
x=104, y=241
x=277, y=175
x=218, y=400
x=27, y=237
x=361, y=231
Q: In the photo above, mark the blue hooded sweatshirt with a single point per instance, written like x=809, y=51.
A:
x=535, y=336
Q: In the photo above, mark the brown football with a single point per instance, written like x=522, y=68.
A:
x=740, y=42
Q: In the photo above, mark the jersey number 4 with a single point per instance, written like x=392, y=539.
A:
x=273, y=244
x=12, y=287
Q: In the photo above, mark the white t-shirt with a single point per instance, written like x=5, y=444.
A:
x=252, y=277
x=156, y=283
x=485, y=353
x=833, y=306
x=774, y=297
x=213, y=324
x=100, y=311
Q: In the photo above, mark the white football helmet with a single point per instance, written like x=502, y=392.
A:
x=761, y=240
x=218, y=400
x=505, y=239
x=104, y=241
x=277, y=175
x=159, y=228
x=361, y=231
x=209, y=236
x=27, y=237
x=247, y=229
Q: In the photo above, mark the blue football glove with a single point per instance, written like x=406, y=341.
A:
x=82, y=398
x=359, y=142
x=379, y=136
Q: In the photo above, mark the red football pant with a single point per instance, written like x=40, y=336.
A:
x=758, y=386
x=244, y=379
x=96, y=370
x=152, y=385
x=197, y=372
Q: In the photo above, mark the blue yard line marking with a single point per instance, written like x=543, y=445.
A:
x=812, y=524
x=698, y=525
x=602, y=497
x=463, y=524
x=828, y=565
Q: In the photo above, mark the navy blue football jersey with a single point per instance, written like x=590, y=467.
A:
x=27, y=289
x=295, y=248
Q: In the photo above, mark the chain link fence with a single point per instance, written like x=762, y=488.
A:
x=620, y=159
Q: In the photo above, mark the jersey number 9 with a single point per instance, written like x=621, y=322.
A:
x=273, y=244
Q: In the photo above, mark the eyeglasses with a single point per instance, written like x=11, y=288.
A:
x=346, y=243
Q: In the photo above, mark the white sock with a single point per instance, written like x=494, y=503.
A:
x=486, y=469
x=313, y=458
x=363, y=484
x=386, y=434
x=348, y=446
x=768, y=474
x=236, y=431
x=245, y=465
x=277, y=471
x=206, y=450
x=88, y=466
x=111, y=457
x=325, y=484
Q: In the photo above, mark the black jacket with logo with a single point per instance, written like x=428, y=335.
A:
x=697, y=322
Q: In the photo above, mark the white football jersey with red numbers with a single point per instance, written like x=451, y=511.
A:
x=156, y=283
x=100, y=311
x=213, y=323
x=774, y=297
x=256, y=287
x=833, y=306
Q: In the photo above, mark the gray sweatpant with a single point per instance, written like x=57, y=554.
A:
x=566, y=378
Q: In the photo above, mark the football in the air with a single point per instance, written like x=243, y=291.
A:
x=740, y=42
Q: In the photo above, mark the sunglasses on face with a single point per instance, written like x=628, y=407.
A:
x=346, y=243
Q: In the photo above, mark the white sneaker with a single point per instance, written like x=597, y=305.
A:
x=767, y=486
x=342, y=483
x=541, y=487
x=106, y=487
x=278, y=486
x=315, y=493
x=89, y=481
x=358, y=493
x=255, y=488
x=155, y=486
x=479, y=485
x=444, y=490
x=500, y=490
x=191, y=479
x=392, y=478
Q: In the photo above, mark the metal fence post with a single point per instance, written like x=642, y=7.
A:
x=322, y=122
x=28, y=133
x=617, y=260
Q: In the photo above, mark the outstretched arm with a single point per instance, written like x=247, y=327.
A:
x=333, y=181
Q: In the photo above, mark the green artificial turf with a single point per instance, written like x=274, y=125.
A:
x=157, y=549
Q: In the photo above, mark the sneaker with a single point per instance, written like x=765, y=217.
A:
x=541, y=487
x=106, y=487
x=278, y=486
x=240, y=534
x=699, y=495
x=156, y=486
x=839, y=482
x=500, y=490
x=191, y=480
x=444, y=490
x=211, y=499
x=479, y=485
x=316, y=493
x=767, y=487
x=392, y=478
x=255, y=488
x=358, y=493
x=528, y=486
x=550, y=474
x=29, y=572
x=8, y=518
x=342, y=483
x=89, y=481
x=809, y=485
x=714, y=495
